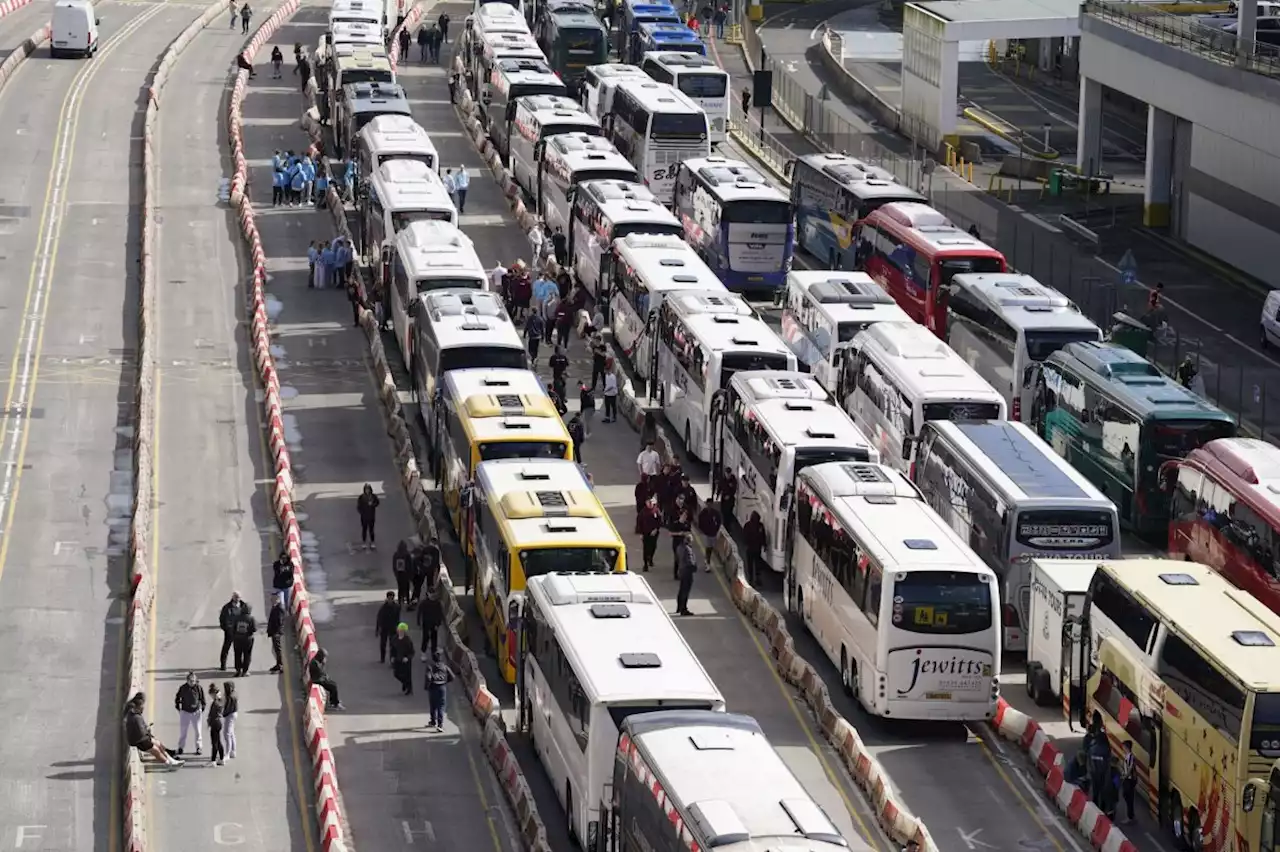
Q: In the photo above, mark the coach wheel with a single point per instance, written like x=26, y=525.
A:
x=846, y=675
x=688, y=447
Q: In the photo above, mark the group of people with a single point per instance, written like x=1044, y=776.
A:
x=330, y=264
x=430, y=38
x=219, y=710
x=297, y=180
x=416, y=568
x=1104, y=777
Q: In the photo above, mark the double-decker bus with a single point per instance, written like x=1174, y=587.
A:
x=568, y=160
x=1225, y=512
x=822, y=313
x=599, y=83
x=530, y=517
x=895, y=377
x=1116, y=418
x=666, y=773
x=914, y=252
x=696, y=75
x=573, y=40
x=702, y=340
x=905, y=609
x=831, y=194
x=1004, y=325
x=455, y=330
x=1006, y=493
x=766, y=442
x=741, y=224
x=595, y=651
x=397, y=194
x=1184, y=666
x=427, y=257
x=637, y=274
x=486, y=414
x=606, y=210
x=657, y=127
x=664, y=36
x=511, y=80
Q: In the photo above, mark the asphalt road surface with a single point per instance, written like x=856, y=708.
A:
x=68, y=241
x=216, y=530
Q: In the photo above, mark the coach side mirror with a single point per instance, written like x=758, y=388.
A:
x=1168, y=479
x=907, y=443
x=386, y=254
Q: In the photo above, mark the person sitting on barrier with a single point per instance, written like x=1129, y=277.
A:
x=244, y=64
x=138, y=733
x=320, y=677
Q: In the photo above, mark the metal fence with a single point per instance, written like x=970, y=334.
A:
x=1190, y=35
x=1031, y=246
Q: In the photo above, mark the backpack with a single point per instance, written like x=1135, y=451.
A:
x=244, y=625
x=439, y=675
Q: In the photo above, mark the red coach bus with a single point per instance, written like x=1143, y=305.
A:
x=913, y=251
x=1225, y=512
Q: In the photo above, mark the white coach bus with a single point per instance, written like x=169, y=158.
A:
x=656, y=127
x=637, y=274
x=608, y=210
x=823, y=311
x=595, y=650
x=705, y=82
x=1004, y=325
x=427, y=256
x=767, y=442
x=702, y=340
x=688, y=780
x=897, y=376
x=568, y=161
x=905, y=609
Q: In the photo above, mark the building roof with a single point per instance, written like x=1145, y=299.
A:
x=979, y=20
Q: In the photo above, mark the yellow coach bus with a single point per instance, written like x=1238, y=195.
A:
x=533, y=517
x=1187, y=668
x=487, y=414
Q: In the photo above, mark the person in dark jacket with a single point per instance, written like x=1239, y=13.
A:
x=1099, y=767
x=138, y=733
x=190, y=703
x=402, y=569
x=402, y=658
x=686, y=568
x=644, y=490
x=275, y=632
x=385, y=624
x=756, y=539
x=282, y=578
x=226, y=621
x=559, y=366
x=680, y=524
x=426, y=567
x=217, y=752
x=649, y=525
x=244, y=629
x=686, y=490
x=443, y=23
x=318, y=672
x=709, y=526
x=431, y=617
x=423, y=40
x=438, y=677
x=728, y=490
x=367, y=508
x=578, y=433
x=404, y=44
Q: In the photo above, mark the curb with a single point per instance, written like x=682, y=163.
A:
x=20, y=53
x=334, y=835
x=867, y=772
x=1091, y=823
x=138, y=626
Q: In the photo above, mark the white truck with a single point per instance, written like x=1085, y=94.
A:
x=1058, y=588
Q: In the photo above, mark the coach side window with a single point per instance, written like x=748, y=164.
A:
x=1187, y=492
x=1251, y=534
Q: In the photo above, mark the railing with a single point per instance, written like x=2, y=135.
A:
x=1210, y=42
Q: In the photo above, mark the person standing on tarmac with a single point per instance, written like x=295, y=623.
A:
x=709, y=525
x=402, y=570
x=277, y=61
x=438, y=677
x=282, y=578
x=367, y=509
x=756, y=538
x=426, y=567
x=275, y=632
x=686, y=569
x=230, y=707
x=431, y=617
x=227, y=617
x=216, y=750
x=384, y=625
x=245, y=14
x=649, y=525
x=190, y=704
x=244, y=628
x=423, y=39
x=402, y=658
x=404, y=43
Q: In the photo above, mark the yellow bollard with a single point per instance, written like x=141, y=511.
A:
x=970, y=178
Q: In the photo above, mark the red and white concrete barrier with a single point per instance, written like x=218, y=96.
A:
x=328, y=800
x=1092, y=824
x=11, y=6
x=410, y=21
x=20, y=53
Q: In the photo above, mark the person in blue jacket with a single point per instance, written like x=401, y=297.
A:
x=277, y=187
x=328, y=259
x=341, y=257
x=297, y=180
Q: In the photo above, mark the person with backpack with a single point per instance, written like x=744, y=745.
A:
x=384, y=625
x=244, y=627
x=427, y=567
x=438, y=678
x=578, y=433
x=190, y=704
x=226, y=621
x=275, y=632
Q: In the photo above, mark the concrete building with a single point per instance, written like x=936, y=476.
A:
x=1213, y=127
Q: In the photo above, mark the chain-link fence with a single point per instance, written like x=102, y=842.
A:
x=1032, y=246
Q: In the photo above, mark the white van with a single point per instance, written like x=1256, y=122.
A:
x=74, y=29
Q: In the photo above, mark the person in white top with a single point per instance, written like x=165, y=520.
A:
x=611, y=396
x=451, y=186
x=495, y=278
x=461, y=181
x=649, y=462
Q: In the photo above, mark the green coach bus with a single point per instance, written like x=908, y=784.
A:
x=572, y=39
x=1116, y=418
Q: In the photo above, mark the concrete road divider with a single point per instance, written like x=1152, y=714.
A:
x=20, y=53
x=411, y=20
x=330, y=815
x=140, y=556
x=867, y=772
x=11, y=6
x=1092, y=824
